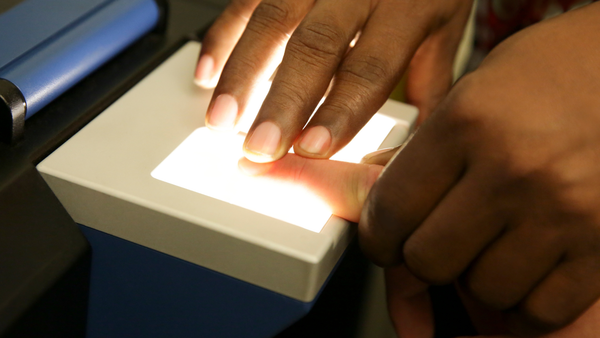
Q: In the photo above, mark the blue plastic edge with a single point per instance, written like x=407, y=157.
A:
x=140, y=292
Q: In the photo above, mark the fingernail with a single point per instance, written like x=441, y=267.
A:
x=316, y=140
x=224, y=113
x=204, y=71
x=388, y=152
x=264, y=142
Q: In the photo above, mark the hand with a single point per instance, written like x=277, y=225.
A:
x=345, y=187
x=412, y=314
x=500, y=187
x=490, y=323
x=316, y=36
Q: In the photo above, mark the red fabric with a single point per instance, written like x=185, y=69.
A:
x=498, y=19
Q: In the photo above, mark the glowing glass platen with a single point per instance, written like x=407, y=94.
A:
x=206, y=163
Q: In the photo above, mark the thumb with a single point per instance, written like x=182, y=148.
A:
x=343, y=186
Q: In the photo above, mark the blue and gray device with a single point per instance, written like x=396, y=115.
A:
x=50, y=45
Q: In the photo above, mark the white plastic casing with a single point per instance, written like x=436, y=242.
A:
x=102, y=175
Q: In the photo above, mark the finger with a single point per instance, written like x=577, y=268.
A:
x=409, y=304
x=559, y=299
x=254, y=59
x=384, y=156
x=511, y=267
x=586, y=326
x=365, y=78
x=343, y=186
x=220, y=40
x=410, y=188
x=429, y=76
x=380, y=157
x=311, y=58
x=430, y=73
x=455, y=232
x=490, y=322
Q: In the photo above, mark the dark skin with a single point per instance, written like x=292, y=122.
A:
x=345, y=187
x=499, y=188
x=497, y=191
x=394, y=34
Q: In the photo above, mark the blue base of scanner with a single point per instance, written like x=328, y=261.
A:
x=140, y=292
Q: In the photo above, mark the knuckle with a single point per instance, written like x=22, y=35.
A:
x=366, y=71
x=534, y=170
x=272, y=15
x=519, y=173
x=572, y=200
x=467, y=110
x=459, y=109
x=554, y=183
x=571, y=194
x=237, y=71
x=425, y=267
x=317, y=40
x=347, y=108
x=291, y=95
x=242, y=7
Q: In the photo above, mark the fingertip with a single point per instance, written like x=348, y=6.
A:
x=380, y=157
x=315, y=141
x=257, y=157
x=223, y=114
x=205, y=85
x=262, y=145
x=204, y=76
x=250, y=168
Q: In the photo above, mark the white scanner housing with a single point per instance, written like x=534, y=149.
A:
x=103, y=177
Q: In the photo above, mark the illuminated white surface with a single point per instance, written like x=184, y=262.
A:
x=206, y=163
x=367, y=140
